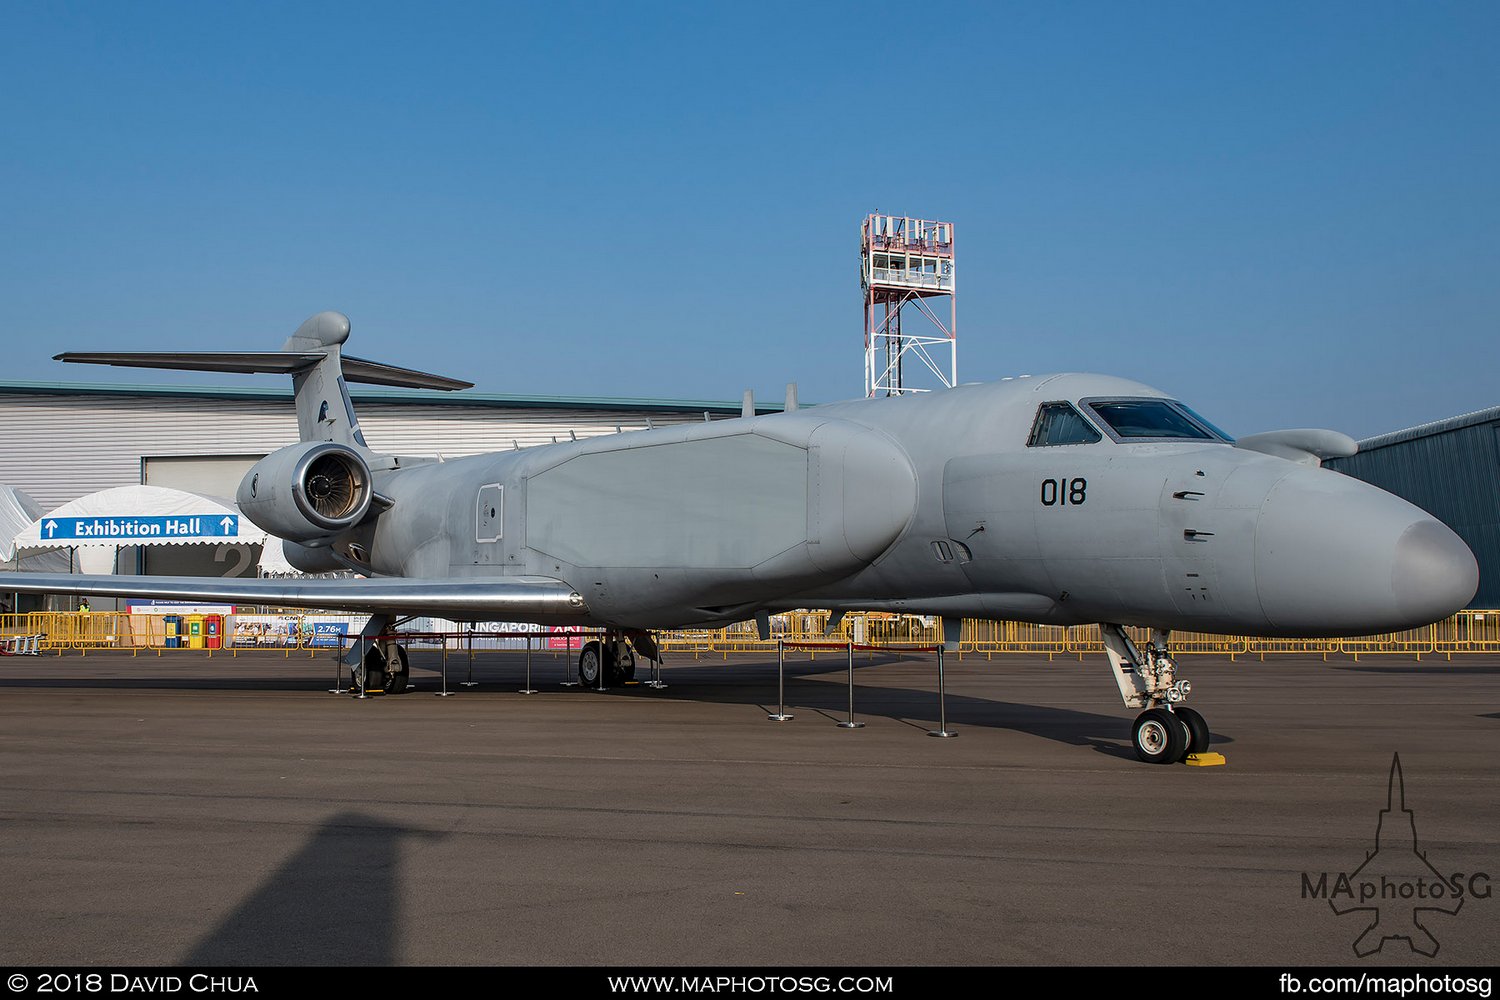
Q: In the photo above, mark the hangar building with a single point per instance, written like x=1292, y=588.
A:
x=1451, y=469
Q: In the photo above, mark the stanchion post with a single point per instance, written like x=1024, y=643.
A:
x=781, y=713
x=568, y=665
x=942, y=731
x=338, y=670
x=603, y=641
x=849, y=723
x=362, y=671
x=528, y=688
x=656, y=683
x=471, y=682
x=445, y=693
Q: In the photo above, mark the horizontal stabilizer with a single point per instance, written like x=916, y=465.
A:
x=267, y=362
x=375, y=373
x=511, y=598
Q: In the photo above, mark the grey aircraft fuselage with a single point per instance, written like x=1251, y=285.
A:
x=1065, y=499
x=931, y=503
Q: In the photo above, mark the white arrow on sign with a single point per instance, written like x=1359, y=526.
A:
x=228, y=523
x=51, y=527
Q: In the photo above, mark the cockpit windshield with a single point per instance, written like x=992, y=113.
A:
x=1135, y=419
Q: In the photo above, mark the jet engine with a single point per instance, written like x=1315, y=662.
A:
x=307, y=491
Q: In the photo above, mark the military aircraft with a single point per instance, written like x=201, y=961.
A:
x=1064, y=499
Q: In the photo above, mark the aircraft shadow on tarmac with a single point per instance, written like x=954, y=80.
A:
x=812, y=687
x=333, y=902
x=820, y=687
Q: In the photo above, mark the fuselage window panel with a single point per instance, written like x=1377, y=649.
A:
x=1060, y=423
x=1150, y=418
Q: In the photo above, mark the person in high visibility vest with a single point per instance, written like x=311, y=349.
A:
x=83, y=604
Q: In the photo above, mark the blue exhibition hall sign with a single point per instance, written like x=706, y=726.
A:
x=124, y=529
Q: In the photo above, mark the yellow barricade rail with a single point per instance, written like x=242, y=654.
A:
x=1301, y=647
x=1413, y=643
x=1468, y=632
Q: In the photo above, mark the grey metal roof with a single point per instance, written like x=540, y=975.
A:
x=1490, y=415
x=413, y=396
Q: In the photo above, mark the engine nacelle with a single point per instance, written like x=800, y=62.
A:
x=307, y=491
x=311, y=560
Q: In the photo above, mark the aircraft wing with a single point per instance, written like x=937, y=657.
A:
x=518, y=598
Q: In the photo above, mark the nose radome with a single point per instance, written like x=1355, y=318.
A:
x=1435, y=573
x=1335, y=556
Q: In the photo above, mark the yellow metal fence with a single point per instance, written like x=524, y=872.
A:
x=1468, y=632
x=59, y=631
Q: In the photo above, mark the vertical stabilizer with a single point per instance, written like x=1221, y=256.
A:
x=324, y=409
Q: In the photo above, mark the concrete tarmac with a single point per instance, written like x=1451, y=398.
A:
x=183, y=809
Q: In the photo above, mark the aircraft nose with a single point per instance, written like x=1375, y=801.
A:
x=1335, y=556
x=1435, y=573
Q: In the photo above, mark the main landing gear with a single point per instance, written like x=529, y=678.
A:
x=617, y=657
x=385, y=668
x=1167, y=731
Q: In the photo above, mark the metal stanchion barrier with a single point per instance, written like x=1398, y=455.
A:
x=363, y=673
x=471, y=682
x=445, y=693
x=568, y=675
x=338, y=672
x=656, y=682
x=781, y=712
x=528, y=689
x=849, y=723
x=942, y=730
x=603, y=639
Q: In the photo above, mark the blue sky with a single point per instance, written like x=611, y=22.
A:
x=1286, y=214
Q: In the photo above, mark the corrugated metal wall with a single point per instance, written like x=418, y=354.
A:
x=1451, y=470
x=58, y=448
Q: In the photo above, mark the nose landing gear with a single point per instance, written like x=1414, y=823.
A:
x=1167, y=731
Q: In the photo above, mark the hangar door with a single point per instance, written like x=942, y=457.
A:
x=207, y=475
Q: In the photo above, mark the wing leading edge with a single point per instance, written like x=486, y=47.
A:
x=520, y=598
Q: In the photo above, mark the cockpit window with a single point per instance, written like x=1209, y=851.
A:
x=1199, y=417
x=1059, y=423
x=1152, y=418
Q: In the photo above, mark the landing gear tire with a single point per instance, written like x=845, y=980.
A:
x=1197, y=729
x=398, y=673
x=1159, y=738
x=589, y=671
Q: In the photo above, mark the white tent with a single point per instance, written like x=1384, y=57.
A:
x=17, y=511
x=97, y=526
x=273, y=561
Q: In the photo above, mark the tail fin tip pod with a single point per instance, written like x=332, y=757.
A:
x=325, y=329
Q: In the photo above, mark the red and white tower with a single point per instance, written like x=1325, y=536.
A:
x=908, y=262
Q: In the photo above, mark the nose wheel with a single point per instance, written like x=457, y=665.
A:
x=1167, y=731
x=1159, y=738
x=1196, y=726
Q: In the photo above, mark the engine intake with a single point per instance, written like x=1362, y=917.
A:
x=307, y=491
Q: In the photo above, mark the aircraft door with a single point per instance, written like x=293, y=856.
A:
x=489, y=522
